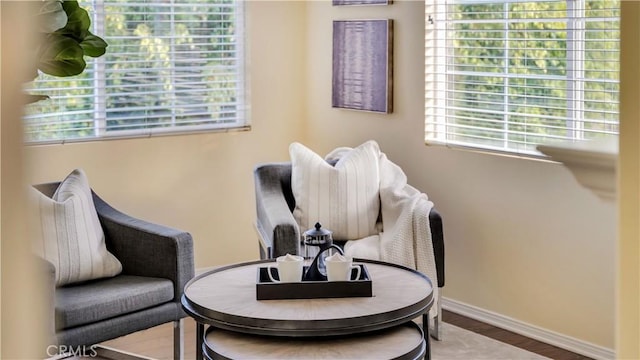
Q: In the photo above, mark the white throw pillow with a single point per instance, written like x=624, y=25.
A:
x=70, y=235
x=344, y=198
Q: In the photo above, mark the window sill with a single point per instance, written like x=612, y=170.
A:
x=593, y=164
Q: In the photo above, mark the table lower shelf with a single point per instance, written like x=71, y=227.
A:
x=406, y=341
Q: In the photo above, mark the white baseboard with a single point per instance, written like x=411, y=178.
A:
x=528, y=330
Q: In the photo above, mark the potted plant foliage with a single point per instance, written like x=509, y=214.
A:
x=64, y=39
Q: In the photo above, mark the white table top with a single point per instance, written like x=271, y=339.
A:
x=226, y=297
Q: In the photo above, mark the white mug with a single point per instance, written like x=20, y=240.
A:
x=339, y=268
x=289, y=268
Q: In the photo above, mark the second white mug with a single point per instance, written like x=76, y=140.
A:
x=339, y=268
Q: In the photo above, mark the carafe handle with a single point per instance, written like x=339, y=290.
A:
x=313, y=272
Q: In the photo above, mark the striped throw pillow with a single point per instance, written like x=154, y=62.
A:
x=70, y=235
x=343, y=198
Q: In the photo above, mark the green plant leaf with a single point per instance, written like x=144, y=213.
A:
x=93, y=45
x=61, y=56
x=30, y=98
x=63, y=47
x=78, y=21
x=51, y=16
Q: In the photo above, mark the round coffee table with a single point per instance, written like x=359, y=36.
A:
x=225, y=298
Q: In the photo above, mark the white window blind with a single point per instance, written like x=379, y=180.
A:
x=508, y=75
x=172, y=66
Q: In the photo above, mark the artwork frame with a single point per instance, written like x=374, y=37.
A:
x=361, y=2
x=362, y=74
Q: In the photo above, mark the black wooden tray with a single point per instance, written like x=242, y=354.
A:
x=269, y=290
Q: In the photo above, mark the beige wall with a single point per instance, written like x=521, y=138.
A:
x=21, y=312
x=628, y=285
x=523, y=239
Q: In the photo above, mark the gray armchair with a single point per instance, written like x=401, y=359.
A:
x=279, y=234
x=157, y=262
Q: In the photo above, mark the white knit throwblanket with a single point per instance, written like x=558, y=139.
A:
x=406, y=237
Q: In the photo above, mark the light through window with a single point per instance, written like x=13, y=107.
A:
x=172, y=66
x=508, y=75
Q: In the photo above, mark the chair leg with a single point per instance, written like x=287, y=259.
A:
x=178, y=339
x=436, y=333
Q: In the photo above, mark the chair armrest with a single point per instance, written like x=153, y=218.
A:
x=275, y=223
x=147, y=249
x=437, y=238
x=49, y=273
x=48, y=282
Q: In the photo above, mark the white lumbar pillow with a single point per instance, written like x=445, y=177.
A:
x=70, y=235
x=344, y=198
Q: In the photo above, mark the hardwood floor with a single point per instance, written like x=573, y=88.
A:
x=510, y=337
x=157, y=342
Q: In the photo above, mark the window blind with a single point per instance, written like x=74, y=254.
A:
x=172, y=66
x=508, y=75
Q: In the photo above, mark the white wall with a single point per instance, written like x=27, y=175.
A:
x=523, y=239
